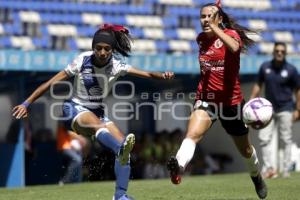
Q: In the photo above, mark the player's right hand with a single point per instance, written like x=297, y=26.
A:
x=214, y=16
x=20, y=111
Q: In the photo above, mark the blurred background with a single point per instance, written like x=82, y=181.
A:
x=38, y=38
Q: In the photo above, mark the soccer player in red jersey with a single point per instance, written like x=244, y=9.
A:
x=219, y=94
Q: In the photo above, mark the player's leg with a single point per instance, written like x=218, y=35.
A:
x=74, y=161
x=127, y=143
x=268, y=151
x=250, y=157
x=87, y=123
x=231, y=120
x=199, y=123
x=122, y=171
x=110, y=136
x=285, y=132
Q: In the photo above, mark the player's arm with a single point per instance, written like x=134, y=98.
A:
x=259, y=83
x=20, y=111
x=256, y=90
x=296, y=114
x=231, y=43
x=145, y=74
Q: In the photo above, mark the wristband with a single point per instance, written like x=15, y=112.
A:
x=26, y=104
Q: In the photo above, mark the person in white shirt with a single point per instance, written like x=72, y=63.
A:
x=94, y=73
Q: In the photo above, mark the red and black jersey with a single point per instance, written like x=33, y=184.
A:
x=219, y=77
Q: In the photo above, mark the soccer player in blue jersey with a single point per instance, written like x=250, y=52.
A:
x=94, y=72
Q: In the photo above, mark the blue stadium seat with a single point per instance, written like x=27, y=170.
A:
x=137, y=32
x=183, y=11
x=283, y=16
x=72, y=44
x=12, y=29
x=170, y=21
x=170, y=34
x=268, y=36
x=162, y=46
x=194, y=46
x=115, y=19
x=5, y=42
x=86, y=31
x=41, y=43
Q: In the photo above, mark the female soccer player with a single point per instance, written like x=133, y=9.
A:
x=219, y=94
x=95, y=72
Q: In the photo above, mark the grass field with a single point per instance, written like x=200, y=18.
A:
x=217, y=187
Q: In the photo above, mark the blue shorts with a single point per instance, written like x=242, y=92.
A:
x=72, y=110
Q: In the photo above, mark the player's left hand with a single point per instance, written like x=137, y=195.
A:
x=296, y=115
x=168, y=75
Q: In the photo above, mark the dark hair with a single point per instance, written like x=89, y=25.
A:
x=280, y=43
x=230, y=23
x=122, y=40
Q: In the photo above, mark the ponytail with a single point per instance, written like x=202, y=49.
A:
x=120, y=35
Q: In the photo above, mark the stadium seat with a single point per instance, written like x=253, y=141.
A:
x=177, y=22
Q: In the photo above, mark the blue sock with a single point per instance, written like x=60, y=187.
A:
x=104, y=137
x=122, y=173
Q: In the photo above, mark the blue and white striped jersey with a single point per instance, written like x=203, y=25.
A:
x=91, y=83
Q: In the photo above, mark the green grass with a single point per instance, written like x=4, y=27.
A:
x=217, y=187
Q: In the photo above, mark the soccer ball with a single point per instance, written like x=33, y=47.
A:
x=257, y=113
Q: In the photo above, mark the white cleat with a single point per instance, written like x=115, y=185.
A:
x=123, y=197
x=126, y=148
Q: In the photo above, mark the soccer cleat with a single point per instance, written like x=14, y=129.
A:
x=123, y=197
x=174, y=168
x=260, y=186
x=126, y=148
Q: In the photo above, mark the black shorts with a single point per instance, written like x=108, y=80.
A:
x=231, y=117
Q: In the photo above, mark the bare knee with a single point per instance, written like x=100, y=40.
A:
x=194, y=136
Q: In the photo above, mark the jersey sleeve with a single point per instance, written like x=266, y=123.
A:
x=234, y=35
x=121, y=66
x=123, y=69
x=74, y=67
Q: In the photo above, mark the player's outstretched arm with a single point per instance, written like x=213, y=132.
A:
x=155, y=75
x=20, y=111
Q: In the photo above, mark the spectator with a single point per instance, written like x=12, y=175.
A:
x=281, y=81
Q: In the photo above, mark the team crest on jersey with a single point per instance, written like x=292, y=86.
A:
x=268, y=71
x=95, y=91
x=218, y=44
x=284, y=73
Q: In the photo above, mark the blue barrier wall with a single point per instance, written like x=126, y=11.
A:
x=12, y=171
x=57, y=60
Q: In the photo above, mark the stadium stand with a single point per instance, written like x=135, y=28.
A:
x=157, y=25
